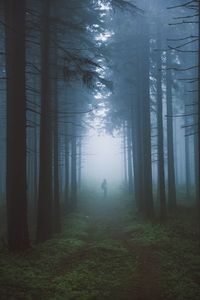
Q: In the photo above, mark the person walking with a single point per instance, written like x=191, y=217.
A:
x=104, y=188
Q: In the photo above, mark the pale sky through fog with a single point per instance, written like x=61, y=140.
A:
x=102, y=159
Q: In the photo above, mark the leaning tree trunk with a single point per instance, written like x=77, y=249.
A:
x=44, y=219
x=170, y=139
x=17, y=228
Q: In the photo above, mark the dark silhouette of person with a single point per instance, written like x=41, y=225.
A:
x=104, y=187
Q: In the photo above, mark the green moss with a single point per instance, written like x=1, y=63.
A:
x=180, y=263
x=106, y=269
x=28, y=275
x=102, y=260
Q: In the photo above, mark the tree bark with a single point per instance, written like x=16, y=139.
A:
x=74, y=167
x=170, y=139
x=67, y=170
x=161, y=171
x=57, y=217
x=146, y=127
x=17, y=227
x=125, y=155
x=187, y=158
x=44, y=219
x=79, y=164
x=198, y=158
x=129, y=151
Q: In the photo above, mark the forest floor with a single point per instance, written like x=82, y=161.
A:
x=108, y=252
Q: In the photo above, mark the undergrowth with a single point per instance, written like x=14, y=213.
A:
x=94, y=261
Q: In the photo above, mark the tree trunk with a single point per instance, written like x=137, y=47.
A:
x=161, y=171
x=79, y=164
x=17, y=227
x=198, y=158
x=137, y=148
x=35, y=167
x=67, y=156
x=125, y=155
x=55, y=129
x=170, y=139
x=136, y=153
x=74, y=167
x=57, y=217
x=146, y=127
x=187, y=158
x=129, y=151
x=44, y=219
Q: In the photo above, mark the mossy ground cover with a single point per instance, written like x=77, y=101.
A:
x=174, y=246
x=109, y=254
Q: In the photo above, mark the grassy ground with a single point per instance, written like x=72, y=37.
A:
x=108, y=253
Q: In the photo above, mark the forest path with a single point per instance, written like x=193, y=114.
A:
x=107, y=252
x=108, y=222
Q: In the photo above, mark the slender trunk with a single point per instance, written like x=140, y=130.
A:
x=125, y=155
x=55, y=129
x=136, y=159
x=198, y=157
x=79, y=163
x=17, y=227
x=44, y=219
x=66, y=189
x=35, y=168
x=161, y=172
x=57, y=217
x=74, y=169
x=187, y=158
x=136, y=118
x=35, y=151
x=146, y=130
x=196, y=178
x=176, y=155
x=130, y=169
x=170, y=139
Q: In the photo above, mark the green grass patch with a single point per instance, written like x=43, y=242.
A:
x=68, y=267
x=106, y=272
x=175, y=245
x=27, y=276
x=100, y=258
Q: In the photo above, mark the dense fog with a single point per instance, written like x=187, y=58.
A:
x=104, y=90
x=99, y=149
x=102, y=158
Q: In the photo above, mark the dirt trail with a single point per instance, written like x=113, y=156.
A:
x=107, y=222
x=148, y=286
